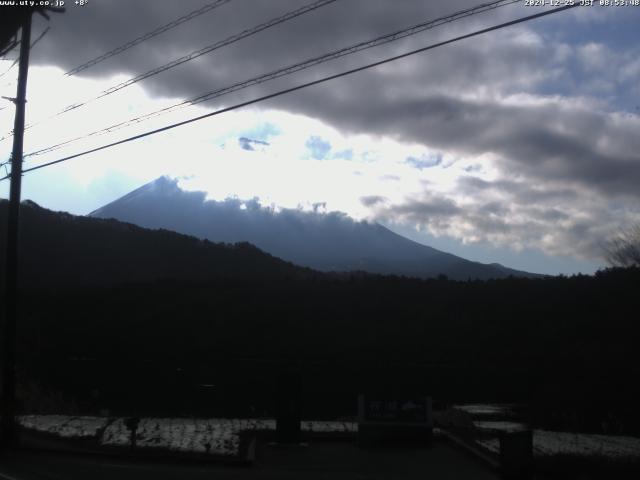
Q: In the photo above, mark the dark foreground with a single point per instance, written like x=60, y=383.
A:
x=315, y=461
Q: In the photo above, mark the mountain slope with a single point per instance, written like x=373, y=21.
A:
x=60, y=249
x=326, y=242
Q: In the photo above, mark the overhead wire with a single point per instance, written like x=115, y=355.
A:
x=294, y=68
x=147, y=36
x=13, y=43
x=15, y=62
x=40, y=37
x=191, y=56
x=208, y=49
x=305, y=85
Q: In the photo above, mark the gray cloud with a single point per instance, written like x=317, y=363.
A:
x=517, y=191
x=428, y=209
x=516, y=214
x=371, y=200
x=565, y=158
x=550, y=141
x=83, y=33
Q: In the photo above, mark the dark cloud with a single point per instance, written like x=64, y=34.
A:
x=84, y=33
x=430, y=206
x=518, y=191
x=542, y=114
x=455, y=98
x=550, y=140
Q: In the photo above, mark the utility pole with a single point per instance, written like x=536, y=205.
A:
x=8, y=404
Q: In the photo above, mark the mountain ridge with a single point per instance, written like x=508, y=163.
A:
x=58, y=249
x=321, y=241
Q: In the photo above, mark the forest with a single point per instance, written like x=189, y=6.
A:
x=116, y=318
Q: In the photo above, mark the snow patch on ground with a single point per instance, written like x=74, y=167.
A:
x=117, y=434
x=210, y=436
x=592, y=445
x=499, y=425
x=329, y=427
x=486, y=409
x=546, y=444
x=215, y=436
x=64, y=425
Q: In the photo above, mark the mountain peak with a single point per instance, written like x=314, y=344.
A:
x=322, y=241
x=162, y=187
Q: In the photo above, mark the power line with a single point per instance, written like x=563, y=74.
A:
x=387, y=38
x=35, y=42
x=13, y=43
x=302, y=86
x=191, y=56
x=208, y=49
x=147, y=36
x=15, y=62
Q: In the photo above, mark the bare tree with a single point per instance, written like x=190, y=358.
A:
x=624, y=249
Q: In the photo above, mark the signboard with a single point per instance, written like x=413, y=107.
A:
x=413, y=410
x=394, y=420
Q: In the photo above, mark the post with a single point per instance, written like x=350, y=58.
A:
x=516, y=455
x=289, y=405
x=7, y=405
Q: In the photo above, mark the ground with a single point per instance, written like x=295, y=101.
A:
x=322, y=460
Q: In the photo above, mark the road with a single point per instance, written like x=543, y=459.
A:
x=314, y=462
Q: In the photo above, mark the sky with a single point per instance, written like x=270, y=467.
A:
x=519, y=146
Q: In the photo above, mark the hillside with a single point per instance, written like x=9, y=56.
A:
x=62, y=249
x=147, y=317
